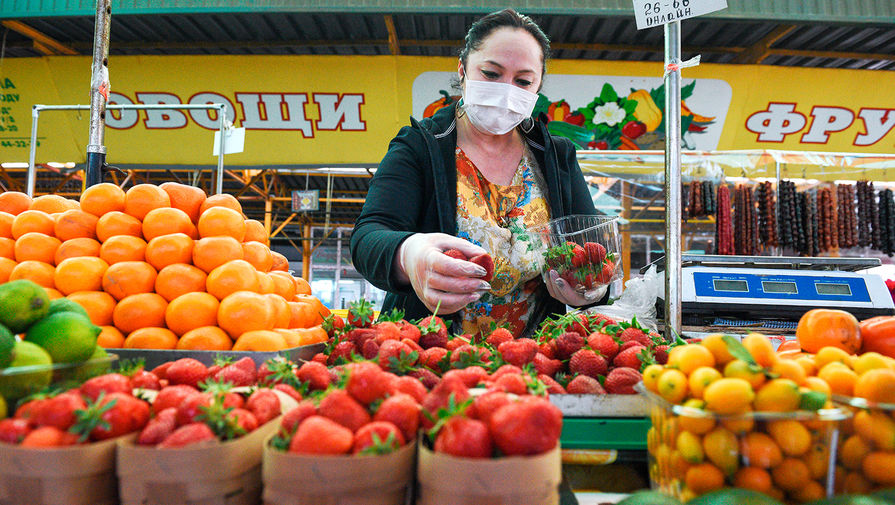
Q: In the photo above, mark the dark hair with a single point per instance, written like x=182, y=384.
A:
x=483, y=27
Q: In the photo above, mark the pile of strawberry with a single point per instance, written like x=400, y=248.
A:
x=583, y=267
x=102, y=408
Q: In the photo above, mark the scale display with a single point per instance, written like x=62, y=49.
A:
x=814, y=288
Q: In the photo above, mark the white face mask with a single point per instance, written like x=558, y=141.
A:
x=495, y=107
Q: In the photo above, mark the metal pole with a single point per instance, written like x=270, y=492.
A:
x=218, y=179
x=99, y=93
x=32, y=154
x=672, y=182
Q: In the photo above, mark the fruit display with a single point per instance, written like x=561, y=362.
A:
x=160, y=267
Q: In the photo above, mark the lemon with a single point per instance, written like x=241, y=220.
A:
x=22, y=302
x=66, y=305
x=7, y=344
x=67, y=336
x=15, y=384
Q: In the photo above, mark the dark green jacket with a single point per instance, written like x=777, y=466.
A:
x=415, y=190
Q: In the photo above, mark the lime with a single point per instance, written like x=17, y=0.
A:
x=66, y=305
x=15, y=384
x=22, y=302
x=97, y=364
x=7, y=344
x=67, y=336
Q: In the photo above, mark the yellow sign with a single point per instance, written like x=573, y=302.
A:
x=321, y=110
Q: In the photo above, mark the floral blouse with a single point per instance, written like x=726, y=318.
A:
x=496, y=217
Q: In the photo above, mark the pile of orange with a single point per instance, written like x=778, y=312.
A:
x=160, y=267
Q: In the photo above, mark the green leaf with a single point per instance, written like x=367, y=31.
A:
x=629, y=106
x=687, y=90
x=812, y=400
x=608, y=94
x=738, y=350
x=542, y=105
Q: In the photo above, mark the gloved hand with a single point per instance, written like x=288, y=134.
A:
x=562, y=291
x=438, y=278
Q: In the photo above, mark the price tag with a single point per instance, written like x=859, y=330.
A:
x=651, y=14
x=234, y=141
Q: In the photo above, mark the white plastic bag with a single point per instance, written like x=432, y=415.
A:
x=637, y=300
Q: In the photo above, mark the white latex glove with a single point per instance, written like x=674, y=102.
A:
x=562, y=291
x=438, y=278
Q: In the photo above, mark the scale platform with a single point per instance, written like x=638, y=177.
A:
x=732, y=289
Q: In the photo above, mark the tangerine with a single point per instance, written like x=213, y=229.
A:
x=51, y=204
x=258, y=255
x=7, y=248
x=121, y=248
x=819, y=328
x=878, y=467
x=789, y=369
x=77, y=247
x=118, y=223
x=302, y=287
x=151, y=338
x=6, y=266
x=220, y=200
x=36, y=246
x=700, y=379
x=739, y=369
x=791, y=474
x=877, y=385
x=100, y=199
x=687, y=358
x=232, y=276
x=853, y=451
x=178, y=279
x=129, y=278
x=99, y=305
x=777, y=395
x=189, y=199
x=41, y=273
x=32, y=221
x=222, y=221
x=718, y=347
x=142, y=310
x=840, y=378
x=282, y=312
x=6, y=220
x=205, y=338
x=75, y=223
x=212, y=252
x=14, y=202
x=142, y=198
x=245, y=311
x=283, y=284
x=255, y=232
x=165, y=221
x=728, y=396
x=190, y=311
x=651, y=373
x=80, y=274
x=830, y=354
x=760, y=450
x=703, y=478
x=110, y=338
x=169, y=249
x=672, y=385
x=280, y=263
x=265, y=283
x=260, y=341
x=792, y=436
x=756, y=479
x=761, y=349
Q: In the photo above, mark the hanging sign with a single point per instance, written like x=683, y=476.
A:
x=649, y=14
x=303, y=201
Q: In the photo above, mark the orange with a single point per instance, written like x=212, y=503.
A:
x=77, y=247
x=51, y=204
x=260, y=341
x=118, y=223
x=6, y=220
x=205, y=338
x=750, y=477
x=819, y=328
x=728, y=396
x=221, y=200
x=103, y=198
x=840, y=378
x=222, y=221
x=302, y=287
x=718, y=347
x=761, y=349
x=281, y=310
x=283, y=284
x=169, y=249
x=151, y=338
x=33, y=221
x=265, y=283
x=129, y=278
x=212, y=252
x=878, y=467
x=110, y=337
x=320, y=310
x=258, y=255
x=7, y=248
x=791, y=474
x=687, y=358
x=142, y=198
x=703, y=478
x=80, y=274
x=75, y=223
x=279, y=262
x=309, y=336
x=178, y=279
x=189, y=199
x=142, y=310
x=877, y=385
x=99, y=305
x=758, y=449
x=36, y=246
x=190, y=311
x=166, y=220
x=232, y=276
x=14, y=202
x=38, y=272
x=123, y=248
x=255, y=232
x=6, y=267
x=245, y=311
x=307, y=313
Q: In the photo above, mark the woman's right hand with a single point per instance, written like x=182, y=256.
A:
x=437, y=279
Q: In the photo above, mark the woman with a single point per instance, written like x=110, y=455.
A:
x=473, y=178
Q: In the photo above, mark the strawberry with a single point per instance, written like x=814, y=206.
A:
x=621, y=381
x=320, y=435
x=187, y=371
x=116, y=416
x=603, y=343
x=433, y=332
x=596, y=253
x=189, y=434
x=289, y=390
x=629, y=344
x=588, y=362
x=409, y=331
x=499, y=336
x=339, y=406
x=315, y=375
x=264, y=404
x=108, y=383
x=172, y=396
x=456, y=254
x=320, y=358
x=360, y=335
x=661, y=354
x=377, y=437
x=431, y=357
x=413, y=345
x=439, y=397
x=455, y=342
x=484, y=406
x=632, y=334
x=411, y=386
x=386, y=330
x=518, y=352
x=506, y=369
x=548, y=349
x=468, y=354
x=510, y=383
x=568, y=344
x=426, y=377
x=545, y=365
x=240, y=373
x=145, y=380
x=367, y=382
x=579, y=256
x=49, y=436
x=244, y=419
x=553, y=387
x=526, y=427
x=403, y=411
x=370, y=349
x=161, y=371
x=162, y=425
x=606, y=273
x=360, y=313
x=585, y=385
x=13, y=431
x=190, y=409
x=596, y=319
x=59, y=411
x=294, y=417
x=465, y=438
x=393, y=354
x=485, y=261
x=580, y=325
x=628, y=358
x=342, y=350
x=472, y=376
x=29, y=408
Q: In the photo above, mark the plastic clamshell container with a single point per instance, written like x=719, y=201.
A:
x=791, y=456
x=598, y=267
x=19, y=382
x=866, y=455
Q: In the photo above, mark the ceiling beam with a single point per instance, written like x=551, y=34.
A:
x=42, y=42
x=758, y=51
x=393, y=46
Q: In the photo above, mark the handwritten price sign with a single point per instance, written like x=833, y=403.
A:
x=651, y=14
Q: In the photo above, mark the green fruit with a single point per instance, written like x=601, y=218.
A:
x=7, y=344
x=22, y=302
x=4, y=411
x=67, y=336
x=733, y=496
x=15, y=384
x=66, y=305
x=97, y=364
x=649, y=498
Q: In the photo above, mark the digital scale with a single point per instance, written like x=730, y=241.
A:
x=776, y=288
